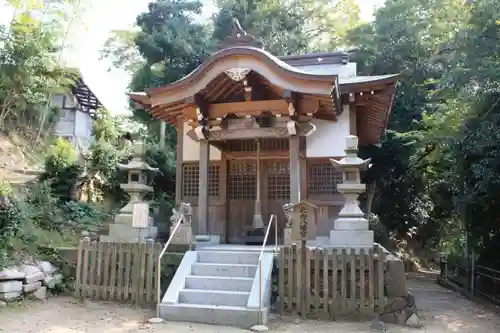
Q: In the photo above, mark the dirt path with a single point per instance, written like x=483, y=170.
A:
x=443, y=311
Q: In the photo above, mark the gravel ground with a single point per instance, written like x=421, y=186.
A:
x=442, y=311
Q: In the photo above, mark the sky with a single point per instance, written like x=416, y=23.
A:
x=103, y=16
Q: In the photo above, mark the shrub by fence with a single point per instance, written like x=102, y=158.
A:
x=338, y=282
x=122, y=271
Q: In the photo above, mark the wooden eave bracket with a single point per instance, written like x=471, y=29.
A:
x=335, y=94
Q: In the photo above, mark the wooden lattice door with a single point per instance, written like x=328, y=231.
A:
x=242, y=190
x=276, y=192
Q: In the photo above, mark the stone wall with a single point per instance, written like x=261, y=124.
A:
x=30, y=280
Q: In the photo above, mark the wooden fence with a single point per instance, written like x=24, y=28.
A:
x=337, y=282
x=116, y=271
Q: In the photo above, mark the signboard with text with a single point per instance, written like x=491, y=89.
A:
x=140, y=215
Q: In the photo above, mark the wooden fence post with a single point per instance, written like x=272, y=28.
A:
x=78, y=277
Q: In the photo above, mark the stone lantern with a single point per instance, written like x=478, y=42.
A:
x=124, y=228
x=351, y=227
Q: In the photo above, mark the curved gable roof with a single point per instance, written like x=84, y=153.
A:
x=272, y=68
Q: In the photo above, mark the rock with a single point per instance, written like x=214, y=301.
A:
x=33, y=274
x=396, y=278
x=259, y=328
x=410, y=299
x=400, y=317
x=27, y=288
x=12, y=273
x=377, y=325
x=52, y=281
x=39, y=294
x=2, y=304
x=155, y=320
x=396, y=304
x=414, y=321
x=10, y=296
x=11, y=286
x=46, y=267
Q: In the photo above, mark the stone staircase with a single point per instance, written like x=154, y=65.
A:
x=219, y=287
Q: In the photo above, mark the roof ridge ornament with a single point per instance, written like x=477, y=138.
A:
x=237, y=74
x=239, y=37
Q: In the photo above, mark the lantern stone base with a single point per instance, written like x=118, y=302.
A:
x=350, y=224
x=351, y=238
x=127, y=233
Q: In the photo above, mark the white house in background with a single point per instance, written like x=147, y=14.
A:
x=78, y=111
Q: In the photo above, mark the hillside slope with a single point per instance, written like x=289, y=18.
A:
x=19, y=161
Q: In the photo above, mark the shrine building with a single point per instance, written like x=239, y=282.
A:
x=256, y=131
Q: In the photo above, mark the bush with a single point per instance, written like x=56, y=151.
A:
x=13, y=219
x=61, y=169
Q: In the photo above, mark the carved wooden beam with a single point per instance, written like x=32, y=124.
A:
x=291, y=99
x=308, y=106
x=248, y=129
x=201, y=131
x=249, y=108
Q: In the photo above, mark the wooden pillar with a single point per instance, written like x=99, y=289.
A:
x=295, y=174
x=223, y=194
x=203, y=189
x=178, y=163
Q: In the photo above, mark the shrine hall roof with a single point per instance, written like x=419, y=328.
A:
x=327, y=80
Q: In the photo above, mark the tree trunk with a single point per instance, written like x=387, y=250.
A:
x=370, y=194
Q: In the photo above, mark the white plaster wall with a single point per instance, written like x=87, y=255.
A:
x=329, y=138
x=191, y=148
x=83, y=128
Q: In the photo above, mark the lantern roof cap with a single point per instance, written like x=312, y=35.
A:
x=136, y=165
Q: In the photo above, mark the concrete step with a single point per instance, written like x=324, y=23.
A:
x=228, y=270
x=234, y=316
x=224, y=257
x=235, y=248
x=219, y=283
x=213, y=297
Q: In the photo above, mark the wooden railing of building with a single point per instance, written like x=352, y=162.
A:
x=339, y=282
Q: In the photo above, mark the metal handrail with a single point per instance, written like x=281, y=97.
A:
x=271, y=219
x=158, y=271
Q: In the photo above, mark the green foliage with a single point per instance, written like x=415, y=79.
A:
x=105, y=128
x=29, y=69
x=12, y=220
x=61, y=169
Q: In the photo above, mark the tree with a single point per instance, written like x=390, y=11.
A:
x=120, y=48
x=279, y=24
x=414, y=179
x=28, y=69
x=171, y=42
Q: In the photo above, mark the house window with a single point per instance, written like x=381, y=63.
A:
x=322, y=178
x=67, y=115
x=191, y=180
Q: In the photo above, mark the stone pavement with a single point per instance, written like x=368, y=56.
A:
x=443, y=311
